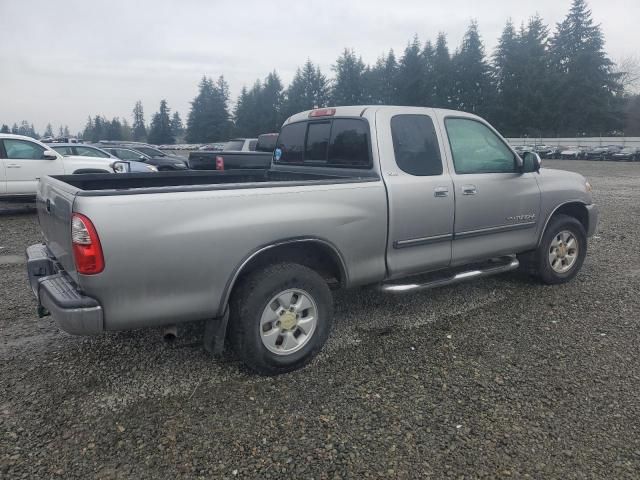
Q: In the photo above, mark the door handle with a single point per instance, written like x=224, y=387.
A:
x=469, y=190
x=13, y=165
x=441, y=192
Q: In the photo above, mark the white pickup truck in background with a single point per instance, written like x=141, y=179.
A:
x=23, y=161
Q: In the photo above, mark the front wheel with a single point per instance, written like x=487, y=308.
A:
x=562, y=250
x=280, y=318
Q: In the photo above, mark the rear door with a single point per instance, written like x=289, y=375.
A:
x=497, y=207
x=419, y=190
x=24, y=165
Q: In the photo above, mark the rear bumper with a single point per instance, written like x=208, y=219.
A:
x=592, y=211
x=58, y=296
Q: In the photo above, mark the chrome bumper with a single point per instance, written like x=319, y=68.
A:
x=59, y=297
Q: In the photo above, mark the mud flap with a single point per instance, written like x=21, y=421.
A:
x=215, y=331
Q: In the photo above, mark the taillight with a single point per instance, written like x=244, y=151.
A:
x=219, y=162
x=322, y=112
x=87, y=251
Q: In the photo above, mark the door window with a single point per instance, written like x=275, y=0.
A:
x=477, y=149
x=63, y=150
x=124, y=154
x=415, y=145
x=23, y=149
x=90, y=152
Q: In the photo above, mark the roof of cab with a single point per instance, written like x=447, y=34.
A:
x=358, y=111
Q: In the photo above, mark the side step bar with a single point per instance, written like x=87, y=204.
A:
x=449, y=277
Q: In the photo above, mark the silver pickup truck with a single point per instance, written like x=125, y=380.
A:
x=399, y=197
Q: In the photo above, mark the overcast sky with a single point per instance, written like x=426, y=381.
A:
x=63, y=60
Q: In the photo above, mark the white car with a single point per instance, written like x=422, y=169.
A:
x=23, y=161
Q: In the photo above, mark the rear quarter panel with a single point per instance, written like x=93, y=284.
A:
x=169, y=256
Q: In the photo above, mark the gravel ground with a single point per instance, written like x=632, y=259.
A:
x=498, y=378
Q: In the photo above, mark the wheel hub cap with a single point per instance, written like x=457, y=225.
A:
x=563, y=251
x=288, y=321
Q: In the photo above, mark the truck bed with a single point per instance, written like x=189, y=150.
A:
x=136, y=183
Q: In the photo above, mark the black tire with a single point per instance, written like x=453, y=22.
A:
x=252, y=296
x=541, y=266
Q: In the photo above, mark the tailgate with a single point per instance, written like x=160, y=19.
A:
x=54, y=202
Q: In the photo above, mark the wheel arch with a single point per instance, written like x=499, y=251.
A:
x=316, y=253
x=575, y=208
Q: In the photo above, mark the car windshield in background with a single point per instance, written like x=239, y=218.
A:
x=152, y=152
x=340, y=142
x=233, y=145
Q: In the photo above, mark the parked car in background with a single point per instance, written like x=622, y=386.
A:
x=627, y=154
x=213, y=147
x=148, y=154
x=405, y=198
x=572, y=153
x=240, y=145
x=24, y=161
x=603, y=152
x=547, y=151
x=237, y=159
x=80, y=149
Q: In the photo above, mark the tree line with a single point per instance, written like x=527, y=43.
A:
x=535, y=83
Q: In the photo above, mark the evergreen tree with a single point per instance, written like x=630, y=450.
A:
x=472, y=84
x=410, y=79
x=176, y=125
x=87, y=133
x=113, y=129
x=508, y=67
x=442, y=74
x=48, y=131
x=585, y=91
x=349, y=84
x=139, y=132
x=5, y=129
x=382, y=81
x=160, y=132
x=244, y=113
x=309, y=89
x=632, y=116
x=428, y=82
x=66, y=131
x=270, y=105
x=209, y=118
x=534, y=107
x=60, y=131
x=15, y=129
x=127, y=132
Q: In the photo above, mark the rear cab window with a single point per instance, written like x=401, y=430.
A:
x=335, y=142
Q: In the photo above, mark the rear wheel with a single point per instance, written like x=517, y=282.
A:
x=562, y=250
x=280, y=318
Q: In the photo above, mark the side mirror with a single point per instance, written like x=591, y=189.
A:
x=49, y=155
x=531, y=162
x=121, y=166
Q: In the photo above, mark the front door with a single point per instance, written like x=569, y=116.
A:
x=497, y=206
x=419, y=191
x=24, y=164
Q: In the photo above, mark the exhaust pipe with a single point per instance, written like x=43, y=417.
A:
x=170, y=333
